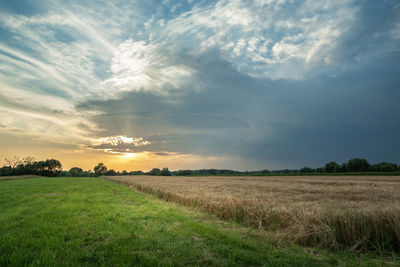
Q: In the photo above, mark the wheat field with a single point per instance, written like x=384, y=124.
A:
x=356, y=212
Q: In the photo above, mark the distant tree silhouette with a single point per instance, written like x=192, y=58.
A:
x=111, y=172
x=385, y=167
x=100, y=169
x=76, y=171
x=28, y=160
x=52, y=167
x=136, y=173
x=154, y=171
x=306, y=169
x=165, y=172
x=184, y=172
x=331, y=166
x=13, y=161
x=358, y=165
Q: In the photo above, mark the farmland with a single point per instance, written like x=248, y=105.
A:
x=92, y=222
x=340, y=212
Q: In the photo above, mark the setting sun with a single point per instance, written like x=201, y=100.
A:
x=128, y=155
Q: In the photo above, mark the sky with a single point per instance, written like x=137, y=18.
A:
x=244, y=85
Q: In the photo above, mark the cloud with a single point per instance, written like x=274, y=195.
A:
x=269, y=124
x=266, y=38
x=121, y=145
x=138, y=66
x=52, y=62
x=252, y=79
x=120, y=140
x=49, y=128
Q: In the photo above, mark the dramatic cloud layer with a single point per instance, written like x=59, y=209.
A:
x=243, y=84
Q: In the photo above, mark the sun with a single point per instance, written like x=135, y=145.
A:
x=128, y=155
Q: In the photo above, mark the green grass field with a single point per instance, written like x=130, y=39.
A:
x=92, y=221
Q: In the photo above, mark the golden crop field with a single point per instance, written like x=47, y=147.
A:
x=357, y=212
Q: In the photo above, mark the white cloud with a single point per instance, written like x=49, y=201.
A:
x=257, y=37
x=241, y=44
x=117, y=144
x=274, y=32
x=395, y=33
x=50, y=127
x=120, y=140
x=138, y=66
x=50, y=65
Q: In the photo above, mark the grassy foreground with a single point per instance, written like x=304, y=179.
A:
x=89, y=221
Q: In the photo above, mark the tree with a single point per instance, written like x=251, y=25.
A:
x=100, y=169
x=13, y=161
x=358, y=165
x=49, y=167
x=6, y=171
x=135, y=173
x=165, y=172
x=52, y=165
x=343, y=167
x=76, y=171
x=384, y=167
x=154, y=171
x=306, y=169
x=331, y=166
x=111, y=172
x=184, y=172
x=28, y=160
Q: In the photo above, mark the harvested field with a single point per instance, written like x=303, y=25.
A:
x=357, y=212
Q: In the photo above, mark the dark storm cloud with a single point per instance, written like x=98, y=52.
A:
x=270, y=122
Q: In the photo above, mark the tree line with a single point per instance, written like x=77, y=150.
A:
x=353, y=165
x=52, y=167
x=30, y=166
